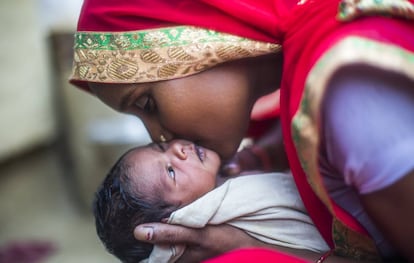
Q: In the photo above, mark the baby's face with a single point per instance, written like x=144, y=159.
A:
x=179, y=170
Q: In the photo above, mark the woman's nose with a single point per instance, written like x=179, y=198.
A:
x=155, y=130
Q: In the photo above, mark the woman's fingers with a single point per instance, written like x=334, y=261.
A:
x=173, y=234
x=165, y=233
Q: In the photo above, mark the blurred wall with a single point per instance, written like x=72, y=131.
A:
x=91, y=136
x=26, y=107
x=39, y=107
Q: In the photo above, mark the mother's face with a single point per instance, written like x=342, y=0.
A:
x=211, y=108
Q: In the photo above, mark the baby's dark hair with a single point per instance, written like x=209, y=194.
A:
x=119, y=206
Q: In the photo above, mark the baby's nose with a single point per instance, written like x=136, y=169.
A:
x=179, y=149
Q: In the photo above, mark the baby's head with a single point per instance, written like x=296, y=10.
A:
x=146, y=185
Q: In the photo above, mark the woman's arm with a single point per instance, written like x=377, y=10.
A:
x=392, y=210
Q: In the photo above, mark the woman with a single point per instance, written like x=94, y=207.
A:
x=346, y=101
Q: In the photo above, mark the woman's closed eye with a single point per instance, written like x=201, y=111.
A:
x=146, y=103
x=171, y=172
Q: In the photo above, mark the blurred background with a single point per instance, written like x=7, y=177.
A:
x=57, y=143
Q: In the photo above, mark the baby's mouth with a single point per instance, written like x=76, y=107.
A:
x=200, y=152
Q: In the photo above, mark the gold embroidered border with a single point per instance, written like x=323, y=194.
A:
x=158, y=54
x=350, y=9
x=306, y=122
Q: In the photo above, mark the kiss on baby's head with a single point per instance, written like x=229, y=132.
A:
x=145, y=185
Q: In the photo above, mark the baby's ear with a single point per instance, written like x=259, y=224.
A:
x=164, y=220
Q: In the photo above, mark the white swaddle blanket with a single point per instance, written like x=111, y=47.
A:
x=266, y=206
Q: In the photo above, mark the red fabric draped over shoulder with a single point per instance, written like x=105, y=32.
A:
x=310, y=30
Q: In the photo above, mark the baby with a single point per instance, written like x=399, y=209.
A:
x=176, y=182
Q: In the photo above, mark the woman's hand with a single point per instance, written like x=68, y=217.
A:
x=244, y=160
x=201, y=243
x=266, y=154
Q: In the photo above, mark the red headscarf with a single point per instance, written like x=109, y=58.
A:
x=247, y=18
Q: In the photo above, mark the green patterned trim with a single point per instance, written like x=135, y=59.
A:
x=350, y=9
x=155, y=38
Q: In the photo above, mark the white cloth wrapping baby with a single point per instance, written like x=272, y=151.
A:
x=267, y=206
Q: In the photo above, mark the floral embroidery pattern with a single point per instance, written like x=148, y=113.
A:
x=159, y=54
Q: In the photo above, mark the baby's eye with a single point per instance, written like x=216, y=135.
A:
x=171, y=172
x=146, y=103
